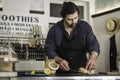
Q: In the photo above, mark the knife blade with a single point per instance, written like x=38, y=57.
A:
x=74, y=70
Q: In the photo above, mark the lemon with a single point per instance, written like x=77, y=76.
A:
x=47, y=71
x=53, y=72
x=33, y=72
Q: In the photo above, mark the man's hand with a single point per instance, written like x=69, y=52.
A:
x=62, y=63
x=91, y=64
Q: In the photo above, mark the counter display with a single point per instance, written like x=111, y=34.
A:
x=71, y=78
x=39, y=76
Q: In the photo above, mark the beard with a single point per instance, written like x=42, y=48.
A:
x=72, y=25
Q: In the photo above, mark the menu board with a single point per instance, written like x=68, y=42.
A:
x=18, y=26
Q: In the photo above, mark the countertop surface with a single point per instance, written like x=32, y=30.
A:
x=73, y=77
x=27, y=74
x=42, y=76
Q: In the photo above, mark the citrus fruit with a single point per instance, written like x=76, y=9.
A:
x=47, y=71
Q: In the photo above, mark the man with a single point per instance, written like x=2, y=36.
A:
x=70, y=39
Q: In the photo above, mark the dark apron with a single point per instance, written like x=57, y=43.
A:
x=72, y=51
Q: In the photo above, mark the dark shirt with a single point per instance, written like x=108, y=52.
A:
x=82, y=28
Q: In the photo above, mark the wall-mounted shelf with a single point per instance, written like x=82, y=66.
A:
x=106, y=12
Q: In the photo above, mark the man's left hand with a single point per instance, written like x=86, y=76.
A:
x=91, y=63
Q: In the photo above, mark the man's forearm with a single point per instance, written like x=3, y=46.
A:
x=93, y=55
x=58, y=59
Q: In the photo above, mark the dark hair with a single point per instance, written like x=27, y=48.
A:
x=68, y=8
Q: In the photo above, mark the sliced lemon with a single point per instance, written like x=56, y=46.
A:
x=47, y=71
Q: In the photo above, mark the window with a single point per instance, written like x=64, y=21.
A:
x=37, y=6
x=56, y=8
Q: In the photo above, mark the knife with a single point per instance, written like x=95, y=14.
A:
x=74, y=70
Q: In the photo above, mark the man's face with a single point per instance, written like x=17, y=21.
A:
x=71, y=20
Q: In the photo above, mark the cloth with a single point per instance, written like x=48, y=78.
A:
x=82, y=28
x=113, y=53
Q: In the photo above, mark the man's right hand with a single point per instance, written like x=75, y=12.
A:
x=64, y=65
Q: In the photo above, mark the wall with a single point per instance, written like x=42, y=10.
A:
x=103, y=38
